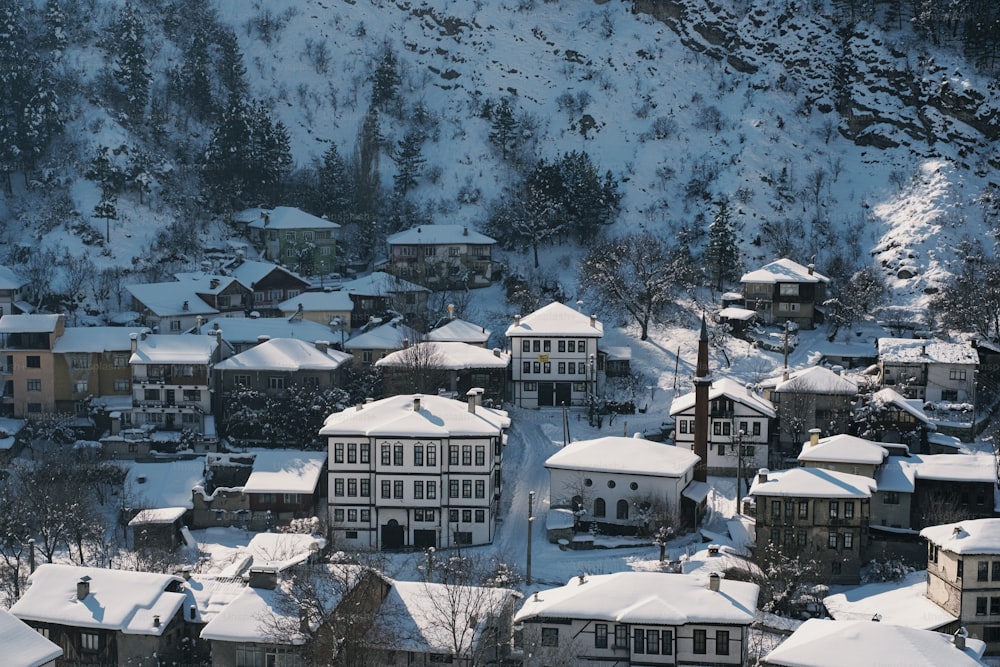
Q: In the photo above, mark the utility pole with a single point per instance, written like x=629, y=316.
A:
x=531, y=519
x=739, y=466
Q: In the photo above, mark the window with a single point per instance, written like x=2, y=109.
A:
x=352, y=515
x=536, y=367
x=956, y=374
x=652, y=642
x=90, y=641
x=241, y=380
x=599, y=507
x=611, y=483
x=546, y=346
x=453, y=488
x=848, y=509
x=431, y=490
x=367, y=356
x=550, y=636
x=803, y=509
x=352, y=452
x=638, y=640
x=480, y=488
x=338, y=486
x=571, y=346
x=994, y=606
x=848, y=540
x=386, y=488
x=788, y=289
x=834, y=509
x=561, y=346
x=352, y=487
x=338, y=515
x=366, y=488
x=721, y=642
x=338, y=452
x=802, y=538
x=536, y=346
x=775, y=509
x=983, y=571
x=366, y=452
x=667, y=642
x=275, y=382
x=480, y=455
x=831, y=539
x=525, y=345
x=192, y=395
x=418, y=455
x=996, y=570
x=981, y=606
x=467, y=455
x=34, y=385
x=453, y=516
x=480, y=516
x=418, y=489
x=397, y=488
x=466, y=516
x=960, y=569
x=600, y=635
x=890, y=497
x=453, y=455
x=121, y=385
x=789, y=509
x=386, y=455
x=756, y=428
x=547, y=367
x=151, y=394
x=621, y=636
x=700, y=642
x=466, y=488
x=119, y=361
x=683, y=426
x=621, y=510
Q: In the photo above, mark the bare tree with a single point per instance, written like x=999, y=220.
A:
x=419, y=369
x=790, y=584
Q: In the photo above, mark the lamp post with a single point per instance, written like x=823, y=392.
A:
x=739, y=466
x=430, y=565
x=531, y=519
x=593, y=376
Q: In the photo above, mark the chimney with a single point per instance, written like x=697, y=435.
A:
x=213, y=283
x=156, y=620
x=713, y=550
x=416, y=403
x=451, y=311
x=31, y=555
x=749, y=388
x=263, y=577
x=359, y=407
x=323, y=345
x=465, y=231
x=811, y=267
x=192, y=612
x=517, y=320
x=134, y=341
x=581, y=580
x=762, y=475
x=186, y=572
x=83, y=588
x=960, y=636
x=406, y=343
x=267, y=218
x=197, y=324
x=496, y=352
x=814, y=437
x=593, y=320
x=713, y=582
x=186, y=306
x=472, y=401
x=143, y=334
x=923, y=350
x=956, y=531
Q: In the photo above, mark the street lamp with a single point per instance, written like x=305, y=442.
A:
x=531, y=519
x=739, y=466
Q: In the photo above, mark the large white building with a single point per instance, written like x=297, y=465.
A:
x=415, y=471
x=554, y=357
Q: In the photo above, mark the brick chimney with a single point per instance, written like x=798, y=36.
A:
x=713, y=582
x=83, y=587
x=814, y=437
x=323, y=345
x=416, y=403
x=133, y=341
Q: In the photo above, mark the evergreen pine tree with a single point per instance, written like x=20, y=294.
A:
x=41, y=120
x=194, y=77
x=722, y=256
x=409, y=163
x=131, y=69
x=334, y=184
x=503, y=129
x=232, y=71
x=386, y=80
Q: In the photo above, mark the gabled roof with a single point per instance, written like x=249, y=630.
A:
x=813, y=380
x=729, y=389
x=557, y=319
x=813, y=483
x=844, y=448
x=284, y=354
x=168, y=349
x=285, y=471
x=250, y=272
x=631, y=456
x=166, y=299
x=250, y=329
x=889, y=396
x=23, y=645
x=901, y=602
x=439, y=235
x=389, y=336
x=649, y=598
x=460, y=331
x=200, y=282
x=287, y=217
x=30, y=323
x=783, y=271
x=920, y=351
x=973, y=467
x=310, y=301
x=379, y=283
x=975, y=536
x=119, y=600
x=438, y=417
x=449, y=356
x=820, y=642
x=94, y=340
x=164, y=483
x=283, y=550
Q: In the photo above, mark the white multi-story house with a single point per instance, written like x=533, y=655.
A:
x=739, y=419
x=415, y=471
x=442, y=256
x=172, y=383
x=930, y=370
x=639, y=618
x=554, y=357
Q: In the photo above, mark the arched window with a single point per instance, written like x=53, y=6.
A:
x=622, y=509
x=599, y=507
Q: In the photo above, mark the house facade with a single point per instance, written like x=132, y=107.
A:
x=92, y=362
x=174, y=307
x=638, y=618
x=963, y=575
x=739, y=427
x=785, y=291
x=450, y=366
x=816, y=514
x=554, y=357
x=270, y=284
x=373, y=343
x=930, y=370
x=442, y=256
x=813, y=397
x=415, y=471
x=381, y=295
x=26, y=342
x=13, y=292
x=301, y=241
x=331, y=309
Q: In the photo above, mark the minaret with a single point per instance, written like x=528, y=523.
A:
x=702, y=382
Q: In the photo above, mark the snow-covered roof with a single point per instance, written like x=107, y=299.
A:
x=250, y=329
x=285, y=471
x=28, y=323
x=288, y=217
x=388, y=336
x=896, y=475
x=311, y=301
x=973, y=467
x=820, y=642
x=416, y=615
x=889, y=396
x=10, y=279
x=121, y=600
x=211, y=594
x=696, y=491
x=203, y=283
x=921, y=351
x=844, y=448
x=284, y=354
x=975, y=536
x=813, y=483
x=557, y=319
x=163, y=484
x=630, y=456
x=653, y=598
x=783, y=271
x=23, y=645
x=459, y=331
x=170, y=298
x=379, y=283
x=157, y=515
x=439, y=235
x=813, y=380
x=250, y=272
x=902, y=602
x=282, y=550
x=737, y=313
x=438, y=417
x=168, y=349
x=94, y=340
x=729, y=389
x=445, y=355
